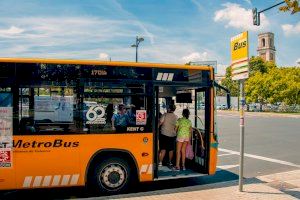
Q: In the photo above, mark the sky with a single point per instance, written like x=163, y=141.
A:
x=174, y=31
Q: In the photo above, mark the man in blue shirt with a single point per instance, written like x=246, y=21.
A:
x=120, y=120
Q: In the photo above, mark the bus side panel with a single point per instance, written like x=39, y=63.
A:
x=7, y=177
x=213, y=148
x=46, y=161
x=140, y=145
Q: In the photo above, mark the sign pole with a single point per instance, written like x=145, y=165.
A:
x=240, y=71
x=242, y=134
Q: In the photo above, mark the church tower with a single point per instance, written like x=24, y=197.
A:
x=266, y=49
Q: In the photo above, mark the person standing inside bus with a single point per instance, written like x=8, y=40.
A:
x=168, y=135
x=184, y=132
x=120, y=120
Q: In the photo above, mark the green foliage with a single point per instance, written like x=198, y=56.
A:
x=279, y=85
x=233, y=86
x=257, y=64
x=291, y=5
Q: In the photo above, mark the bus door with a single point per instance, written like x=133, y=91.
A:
x=182, y=97
x=200, y=133
x=206, y=157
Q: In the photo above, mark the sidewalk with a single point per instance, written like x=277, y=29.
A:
x=273, y=114
x=284, y=185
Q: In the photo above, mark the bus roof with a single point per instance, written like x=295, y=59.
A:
x=98, y=62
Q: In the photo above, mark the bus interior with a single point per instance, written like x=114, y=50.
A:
x=197, y=101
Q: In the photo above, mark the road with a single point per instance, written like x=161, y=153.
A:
x=271, y=146
x=271, y=142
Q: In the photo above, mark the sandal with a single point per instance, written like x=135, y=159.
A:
x=177, y=169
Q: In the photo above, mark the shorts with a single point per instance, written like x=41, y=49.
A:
x=183, y=139
x=166, y=143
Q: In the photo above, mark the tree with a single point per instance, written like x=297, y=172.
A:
x=277, y=85
x=233, y=86
x=256, y=88
x=256, y=64
x=291, y=5
x=290, y=78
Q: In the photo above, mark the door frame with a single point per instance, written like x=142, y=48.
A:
x=207, y=125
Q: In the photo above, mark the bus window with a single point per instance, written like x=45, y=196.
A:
x=116, y=108
x=200, y=110
x=47, y=110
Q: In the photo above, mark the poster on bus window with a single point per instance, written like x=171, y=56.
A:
x=141, y=117
x=6, y=126
x=6, y=122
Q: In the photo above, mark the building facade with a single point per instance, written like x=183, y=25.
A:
x=266, y=49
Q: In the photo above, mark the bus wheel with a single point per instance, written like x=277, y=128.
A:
x=112, y=176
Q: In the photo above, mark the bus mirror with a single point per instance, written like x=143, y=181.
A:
x=227, y=93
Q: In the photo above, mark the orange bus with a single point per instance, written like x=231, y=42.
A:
x=56, y=122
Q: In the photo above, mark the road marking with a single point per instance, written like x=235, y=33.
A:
x=261, y=158
x=225, y=154
x=227, y=166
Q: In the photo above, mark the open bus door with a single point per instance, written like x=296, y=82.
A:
x=199, y=109
x=200, y=131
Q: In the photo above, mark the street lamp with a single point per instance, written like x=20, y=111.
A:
x=136, y=45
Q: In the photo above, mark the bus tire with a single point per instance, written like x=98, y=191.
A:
x=112, y=176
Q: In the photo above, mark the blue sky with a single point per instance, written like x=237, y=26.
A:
x=175, y=31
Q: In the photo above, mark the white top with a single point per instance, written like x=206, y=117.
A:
x=168, y=123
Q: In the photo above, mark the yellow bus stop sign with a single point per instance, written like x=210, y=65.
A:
x=239, y=56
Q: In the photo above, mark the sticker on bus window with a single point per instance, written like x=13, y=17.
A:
x=141, y=117
x=5, y=158
x=95, y=115
x=6, y=127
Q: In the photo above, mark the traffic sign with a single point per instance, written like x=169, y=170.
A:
x=239, y=56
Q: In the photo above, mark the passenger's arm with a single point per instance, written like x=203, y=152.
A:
x=113, y=123
x=176, y=129
x=161, y=120
x=201, y=138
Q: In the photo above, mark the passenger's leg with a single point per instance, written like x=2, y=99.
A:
x=183, y=153
x=162, y=154
x=178, y=152
x=171, y=155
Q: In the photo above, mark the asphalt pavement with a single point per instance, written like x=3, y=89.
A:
x=271, y=142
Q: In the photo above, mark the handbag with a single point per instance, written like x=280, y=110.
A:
x=189, y=153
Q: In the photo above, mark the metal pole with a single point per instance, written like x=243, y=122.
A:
x=136, y=49
x=272, y=7
x=242, y=133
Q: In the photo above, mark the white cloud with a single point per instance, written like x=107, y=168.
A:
x=195, y=56
x=11, y=31
x=222, y=69
x=200, y=7
x=135, y=20
x=290, y=29
x=248, y=1
x=103, y=56
x=238, y=17
x=298, y=62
